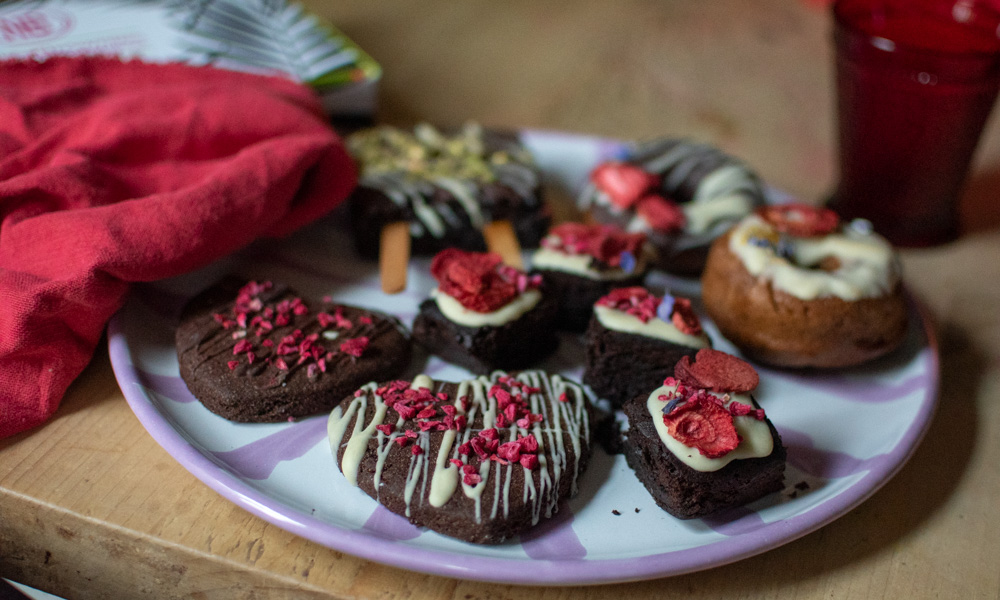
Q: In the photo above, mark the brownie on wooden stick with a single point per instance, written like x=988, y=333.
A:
x=472, y=189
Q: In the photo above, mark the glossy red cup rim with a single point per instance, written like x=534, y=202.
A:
x=981, y=20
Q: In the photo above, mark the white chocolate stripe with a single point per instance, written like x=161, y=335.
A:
x=443, y=477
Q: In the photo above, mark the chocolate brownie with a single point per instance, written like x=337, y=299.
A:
x=447, y=187
x=258, y=352
x=485, y=315
x=681, y=194
x=634, y=341
x=515, y=345
x=481, y=460
x=731, y=454
x=580, y=263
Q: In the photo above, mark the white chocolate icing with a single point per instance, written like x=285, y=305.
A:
x=443, y=477
x=455, y=312
x=619, y=320
x=755, y=436
x=580, y=264
x=868, y=266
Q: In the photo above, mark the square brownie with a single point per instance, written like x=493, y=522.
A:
x=701, y=444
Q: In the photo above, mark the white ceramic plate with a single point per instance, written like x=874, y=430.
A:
x=847, y=432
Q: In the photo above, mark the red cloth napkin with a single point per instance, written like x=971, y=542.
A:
x=115, y=172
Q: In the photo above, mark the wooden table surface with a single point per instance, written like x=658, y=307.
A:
x=92, y=507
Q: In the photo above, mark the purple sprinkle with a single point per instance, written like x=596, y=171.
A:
x=666, y=308
x=627, y=262
x=759, y=242
x=785, y=247
x=669, y=408
x=862, y=226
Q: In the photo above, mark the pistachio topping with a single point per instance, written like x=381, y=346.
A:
x=428, y=154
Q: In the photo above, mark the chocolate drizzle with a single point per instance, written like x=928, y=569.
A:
x=259, y=352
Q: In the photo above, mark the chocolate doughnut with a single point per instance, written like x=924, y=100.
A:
x=681, y=194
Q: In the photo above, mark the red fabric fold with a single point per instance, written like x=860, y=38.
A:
x=115, y=172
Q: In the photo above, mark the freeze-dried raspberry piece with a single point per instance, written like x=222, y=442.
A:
x=606, y=243
x=684, y=318
x=636, y=301
x=661, y=213
x=717, y=371
x=623, y=183
x=473, y=278
x=800, y=220
x=355, y=347
x=704, y=425
x=738, y=409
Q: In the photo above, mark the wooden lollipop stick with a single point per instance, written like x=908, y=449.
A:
x=500, y=238
x=394, y=256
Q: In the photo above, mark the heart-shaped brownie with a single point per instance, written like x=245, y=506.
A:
x=258, y=352
x=480, y=460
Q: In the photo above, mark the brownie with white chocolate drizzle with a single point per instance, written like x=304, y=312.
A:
x=447, y=187
x=481, y=460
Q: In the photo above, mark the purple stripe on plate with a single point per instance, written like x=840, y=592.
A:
x=867, y=392
x=828, y=464
x=257, y=460
x=171, y=387
x=388, y=525
x=554, y=538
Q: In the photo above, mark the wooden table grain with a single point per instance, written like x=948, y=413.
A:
x=92, y=507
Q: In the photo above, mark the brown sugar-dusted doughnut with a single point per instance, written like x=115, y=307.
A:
x=793, y=287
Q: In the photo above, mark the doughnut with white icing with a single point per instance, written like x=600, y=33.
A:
x=793, y=287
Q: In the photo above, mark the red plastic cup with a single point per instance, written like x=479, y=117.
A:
x=916, y=80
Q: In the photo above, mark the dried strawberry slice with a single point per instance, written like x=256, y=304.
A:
x=473, y=278
x=705, y=425
x=623, y=183
x=661, y=213
x=684, y=318
x=717, y=371
x=800, y=220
